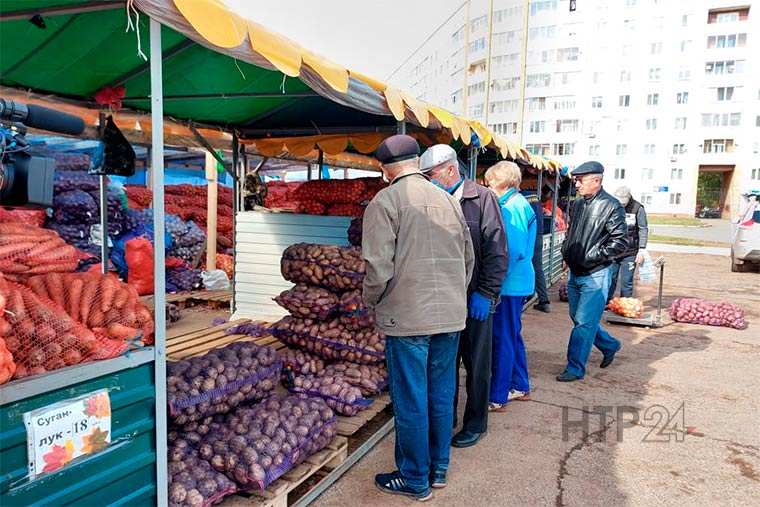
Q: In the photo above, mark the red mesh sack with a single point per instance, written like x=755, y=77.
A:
x=26, y=250
x=331, y=191
x=101, y=302
x=35, y=217
x=138, y=252
x=42, y=337
x=311, y=208
x=7, y=365
x=345, y=210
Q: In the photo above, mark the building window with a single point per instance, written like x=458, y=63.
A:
x=685, y=20
x=647, y=173
x=724, y=66
x=653, y=99
x=685, y=45
x=564, y=148
x=620, y=173
x=725, y=93
x=537, y=104
x=682, y=98
x=505, y=128
x=649, y=149
x=625, y=75
x=476, y=110
x=679, y=149
x=654, y=73
x=676, y=173
x=566, y=126
x=538, y=80
x=684, y=74
x=624, y=100
x=621, y=149
x=675, y=198
x=651, y=123
x=646, y=198
x=718, y=146
x=593, y=150
x=539, y=149
x=536, y=127
x=540, y=6
x=596, y=102
x=721, y=119
x=456, y=96
x=563, y=103
x=477, y=45
x=567, y=54
x=680, y=123
x=655, y=48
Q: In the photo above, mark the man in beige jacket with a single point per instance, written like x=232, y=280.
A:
x=419, y=258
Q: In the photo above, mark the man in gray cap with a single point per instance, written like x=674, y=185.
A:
x=597, y=236
x=638, y=232
x=483, y=215
x=419, y=261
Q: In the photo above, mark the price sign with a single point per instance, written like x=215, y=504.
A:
x=59, y=433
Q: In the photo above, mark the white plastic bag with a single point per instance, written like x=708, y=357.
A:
x=647, y=271
x=216, y=279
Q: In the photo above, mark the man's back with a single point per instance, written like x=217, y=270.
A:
x=419, y=259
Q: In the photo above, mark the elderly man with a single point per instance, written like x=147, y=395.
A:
x=483, y=215
x=638, y=232
x=419, y=261
x=597, y=236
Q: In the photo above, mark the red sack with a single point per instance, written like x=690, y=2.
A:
x=34, y=217
x=138, y=253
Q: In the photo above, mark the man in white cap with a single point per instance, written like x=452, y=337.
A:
x=483, y=215
x=638, y=231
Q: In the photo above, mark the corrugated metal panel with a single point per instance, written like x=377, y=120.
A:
x=260, y=240
x=122, y=474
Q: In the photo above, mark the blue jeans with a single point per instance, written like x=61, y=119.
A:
x=587, y=296
x=509, y=365
x=626, y=267
x=421, y=377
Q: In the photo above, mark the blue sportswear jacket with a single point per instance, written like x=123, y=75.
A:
x=520, y=224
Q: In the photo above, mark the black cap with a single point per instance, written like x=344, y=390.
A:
x=592, y=167
x=397, y=148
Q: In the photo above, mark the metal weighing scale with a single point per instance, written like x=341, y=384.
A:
x=650, y=319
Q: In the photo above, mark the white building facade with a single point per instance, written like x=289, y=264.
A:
x=665, y=93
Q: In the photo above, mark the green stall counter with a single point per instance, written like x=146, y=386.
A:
x=123, y=473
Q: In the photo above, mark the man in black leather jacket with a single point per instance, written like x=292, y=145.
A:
x=597, y=236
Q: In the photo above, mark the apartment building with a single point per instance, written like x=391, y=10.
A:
x=665, y=93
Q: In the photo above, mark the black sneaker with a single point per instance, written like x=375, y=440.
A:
x=607, y=360
x=438, y=479
x=543, y=307
x=567, y=377
x=394, y=484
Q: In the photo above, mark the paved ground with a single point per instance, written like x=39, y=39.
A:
x=689, y=249
x=708, y=454
x=716, y=230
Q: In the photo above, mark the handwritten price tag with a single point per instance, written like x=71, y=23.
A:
x=60, y=433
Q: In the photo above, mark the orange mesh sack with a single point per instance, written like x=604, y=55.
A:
x=27, y=250
x=101, y=302
x=42, y=337
x=7, y=364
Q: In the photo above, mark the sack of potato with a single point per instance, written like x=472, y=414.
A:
x=338, y=393
x=371, y=379
x=331, y=339
x=308, y=302
x=332, y=267
x=297, y=362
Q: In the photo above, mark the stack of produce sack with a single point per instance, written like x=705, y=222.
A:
x=26, y=251
x=280, y=195
x=329, y=323
x=324, y=197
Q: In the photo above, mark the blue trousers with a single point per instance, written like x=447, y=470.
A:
x=587, y=296
x=421, y=377
x=625, y=267
x=509, y=365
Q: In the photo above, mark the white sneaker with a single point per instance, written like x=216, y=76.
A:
x=514, y=394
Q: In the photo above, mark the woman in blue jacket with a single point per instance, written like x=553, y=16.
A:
x=509, y=370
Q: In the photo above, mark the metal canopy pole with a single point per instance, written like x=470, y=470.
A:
x=473, y=162
x=401, y=127
x=103, y=225
x=159, y=261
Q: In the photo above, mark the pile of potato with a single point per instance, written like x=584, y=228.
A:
x=220, y=380
x=255, y=445
x=332, y=340
x=338, y=393
x=329, y=266
x=369, y=378
x=298, y=362
x=308, y=302
x=192, y=481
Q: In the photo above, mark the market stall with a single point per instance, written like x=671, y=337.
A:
x=218, y=69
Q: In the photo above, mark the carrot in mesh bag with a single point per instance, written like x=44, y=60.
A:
x=7, y=364
x=42, y=337
x=100, y=302
x=26, y=250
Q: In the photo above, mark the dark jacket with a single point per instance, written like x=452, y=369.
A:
x=597, y=234
x=483, y=216
x=638, y=230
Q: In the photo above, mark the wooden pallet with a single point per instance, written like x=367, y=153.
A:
x=347, y=426
x=276, y=495
x=211, y=298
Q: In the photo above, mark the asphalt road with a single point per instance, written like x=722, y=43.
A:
x=692, y=391
x=716, y=230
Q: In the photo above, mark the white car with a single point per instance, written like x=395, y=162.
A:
x=745, y=235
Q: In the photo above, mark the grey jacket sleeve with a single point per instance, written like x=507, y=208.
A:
x=641, y=222
x=493, y=249
x=378, y=250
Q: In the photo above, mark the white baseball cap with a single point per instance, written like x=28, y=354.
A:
x=437, y=155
